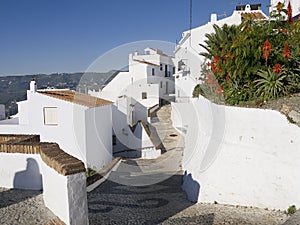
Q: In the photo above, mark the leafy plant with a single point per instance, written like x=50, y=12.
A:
x=256, y=60
x=90, y=172
x=270, y=85
x=291, y=210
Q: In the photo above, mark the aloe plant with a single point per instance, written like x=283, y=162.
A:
x=270, y=85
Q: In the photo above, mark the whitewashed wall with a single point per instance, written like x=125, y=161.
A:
x=99, y=135
x=21, y=171
x=68, y=200
x=239, y=156
x=65, y=196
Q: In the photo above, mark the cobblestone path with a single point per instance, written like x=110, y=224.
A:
x=19, y=207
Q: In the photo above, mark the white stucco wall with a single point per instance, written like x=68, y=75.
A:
x=21, y=171
x=99, y=135
x=55, y=193
x=65, y=196
x=240, y=156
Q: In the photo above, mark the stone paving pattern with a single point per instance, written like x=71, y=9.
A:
x=19, y=207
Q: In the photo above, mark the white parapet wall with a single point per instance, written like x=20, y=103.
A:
x=68, y=200
x=27, y=164
x=239, y=156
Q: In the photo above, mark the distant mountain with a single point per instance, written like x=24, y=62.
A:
x=13, y=88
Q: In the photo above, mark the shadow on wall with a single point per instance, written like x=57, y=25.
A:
x=30, y=178
x=191, y=187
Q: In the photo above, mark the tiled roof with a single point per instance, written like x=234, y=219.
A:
x=253, y=16
x=75, y=97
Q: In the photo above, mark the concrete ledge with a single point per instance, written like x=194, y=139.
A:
x=97, y=179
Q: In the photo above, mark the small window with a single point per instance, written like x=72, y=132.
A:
x=114, y=140
x=144, y=95
x=50, y=116
x=161, y=67
x=153, y=71
x=161, y=84
x=174, y=70
x=147, y=52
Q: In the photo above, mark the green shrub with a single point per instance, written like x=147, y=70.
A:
x=291, y=210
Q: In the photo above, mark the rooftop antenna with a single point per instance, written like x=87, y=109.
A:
x=191, y=20
x=236, y=3
x=191, y=15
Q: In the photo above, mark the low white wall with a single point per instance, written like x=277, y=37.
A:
x=55, y=193
x=239, y=156
x=65, y=196
x=68, y=200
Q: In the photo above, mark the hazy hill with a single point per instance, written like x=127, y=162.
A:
x=13, y=88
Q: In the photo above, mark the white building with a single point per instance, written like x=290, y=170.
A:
x=132, y=137
x=149, y=79
x=2, y=112
x=79, y=123
x=187, y=59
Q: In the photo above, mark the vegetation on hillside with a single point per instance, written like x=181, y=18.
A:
x=254, y=61
x=13, y=88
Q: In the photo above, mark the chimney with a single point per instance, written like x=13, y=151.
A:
x=33, y=86
x=213, y=18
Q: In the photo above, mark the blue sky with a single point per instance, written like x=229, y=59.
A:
x=44, y=36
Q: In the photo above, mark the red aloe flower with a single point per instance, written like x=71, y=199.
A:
x=267, y=49
x=227, y=77
x=286, y=51
x=289, y=13
x=277, y=68
x=216, y=59
x=234, y=41
x=219, y=90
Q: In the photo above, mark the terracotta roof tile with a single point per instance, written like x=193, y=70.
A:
x=253, y=16
x=75, y=97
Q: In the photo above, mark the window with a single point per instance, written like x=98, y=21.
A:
x=114, y=140
x=147, y=52
x=166, y=70
x=153, y=71
x=174, y=70
x=144, y=95
x=161, y=84
x=50, y=116
x=161, y=67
